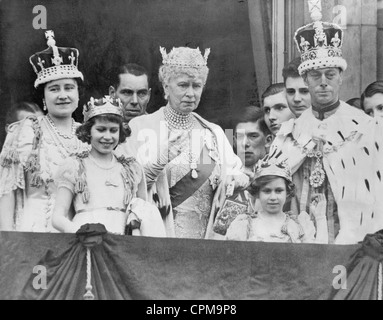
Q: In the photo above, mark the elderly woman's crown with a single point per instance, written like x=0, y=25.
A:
x=184, y=57
x=106, y=105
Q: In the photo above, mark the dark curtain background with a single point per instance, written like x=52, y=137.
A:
x=110, y=32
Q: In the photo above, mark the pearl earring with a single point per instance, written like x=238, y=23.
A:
x=45, y=105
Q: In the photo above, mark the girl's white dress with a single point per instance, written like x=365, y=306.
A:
x=292, y=229
x=101, y=194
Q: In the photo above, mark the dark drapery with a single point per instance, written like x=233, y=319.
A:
x=363, y=271
x=125, y=267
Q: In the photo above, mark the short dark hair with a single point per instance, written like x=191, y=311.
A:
x=259, y=183
x=252, y=114
x=12, y=114
x=291, y=69
x=372, y=89
x=271, y=90
x=83, y=131
x=130, y=68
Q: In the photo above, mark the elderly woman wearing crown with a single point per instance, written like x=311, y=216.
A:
x=102, y=187
x=36, y=146
x=187, y=160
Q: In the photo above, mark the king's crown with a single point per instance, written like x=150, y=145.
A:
x=320, y=43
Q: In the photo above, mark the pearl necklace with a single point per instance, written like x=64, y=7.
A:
x=178, y=121
x=65, y=136
x=65, y=147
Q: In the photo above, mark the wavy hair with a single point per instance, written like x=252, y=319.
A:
x=83, y=131
x=261, y=182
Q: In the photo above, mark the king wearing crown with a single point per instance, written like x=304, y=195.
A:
x=332, y=149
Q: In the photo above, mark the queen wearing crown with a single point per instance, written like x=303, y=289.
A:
x=272, y=186
x=102, y=187
x=188, y=160
x=35, y=147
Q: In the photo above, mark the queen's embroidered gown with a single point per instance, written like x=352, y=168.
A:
x=101, y=194
x=31, y=155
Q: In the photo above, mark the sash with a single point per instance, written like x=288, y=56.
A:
x=187, y=186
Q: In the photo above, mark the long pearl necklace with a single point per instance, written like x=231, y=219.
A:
x=65, y=136
x=178, y=121
x=66, y=147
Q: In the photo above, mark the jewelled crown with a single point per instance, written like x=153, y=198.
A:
x=55, y=63
x=272, y=167
x=185, y=57
x=105, y=105
x=320, y=43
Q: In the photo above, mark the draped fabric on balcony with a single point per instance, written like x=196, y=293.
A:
x=364, y=272
x=125, y=267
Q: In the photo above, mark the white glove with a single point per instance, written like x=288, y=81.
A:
x=318, y=206
x=168, y=152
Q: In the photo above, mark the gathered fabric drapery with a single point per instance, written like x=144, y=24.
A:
x=126, y=267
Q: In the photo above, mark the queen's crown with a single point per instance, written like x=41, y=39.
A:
x=55, y=63
x=184, y=57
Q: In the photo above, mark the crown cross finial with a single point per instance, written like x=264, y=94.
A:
x=315, y=8
x=57, y=60
x=108, y=99
x=50, y=36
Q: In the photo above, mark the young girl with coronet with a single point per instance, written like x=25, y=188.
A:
x=102, y=187
x=272, y=186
